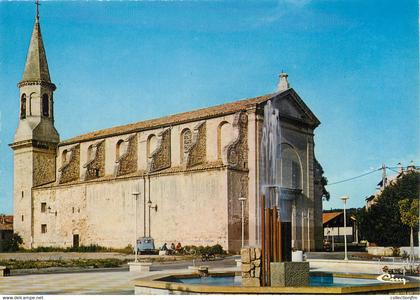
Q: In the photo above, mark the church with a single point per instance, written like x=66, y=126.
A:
x=191, y=177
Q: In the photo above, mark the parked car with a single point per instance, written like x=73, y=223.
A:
x=146, y=245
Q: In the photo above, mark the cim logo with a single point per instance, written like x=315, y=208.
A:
x=390, y=278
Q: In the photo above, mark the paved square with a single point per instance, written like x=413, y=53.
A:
x=115, y=282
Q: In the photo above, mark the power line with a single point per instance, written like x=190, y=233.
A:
x=345, y=180
x=356, y=177
x=390, y=168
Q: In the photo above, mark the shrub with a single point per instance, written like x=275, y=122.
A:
x=89, y=248
x=217, y=249
x=14, y=243
x=200, y=250
x=82, y=263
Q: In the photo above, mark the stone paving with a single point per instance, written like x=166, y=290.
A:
x=70, y=283
x=89, y=283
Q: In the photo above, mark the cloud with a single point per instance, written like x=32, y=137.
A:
x=285, y=7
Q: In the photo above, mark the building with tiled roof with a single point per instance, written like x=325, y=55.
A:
x=177, y=178
x=334, y=230
x=6, y=230
x=389, y=180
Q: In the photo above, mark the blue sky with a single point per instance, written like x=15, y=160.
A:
x=354, y=62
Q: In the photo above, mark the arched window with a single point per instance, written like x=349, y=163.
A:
x=224, y=137
x=64, y=157
x=45, y=106
x=90, y=153
x=118, y=150
x=151, y=144
x=23, y=106
x=291, y=170
x=186, y=139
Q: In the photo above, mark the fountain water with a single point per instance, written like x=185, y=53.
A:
x=275, y=210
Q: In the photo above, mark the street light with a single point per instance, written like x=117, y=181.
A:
x=149, y=204
x=242, y=200
x=345, y=198
x=136, y=194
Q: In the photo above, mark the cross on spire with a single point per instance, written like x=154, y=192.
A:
x=37, y=8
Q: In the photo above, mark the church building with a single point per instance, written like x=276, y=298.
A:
x=179, y=178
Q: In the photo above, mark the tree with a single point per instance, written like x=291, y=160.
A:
x=409, y=211
x=14, y=243
x=382, y=224
x=325, y=193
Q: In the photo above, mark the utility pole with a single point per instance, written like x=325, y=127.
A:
x=309, y=226
x=303, y=229
x=135, y=194
x=383, y=176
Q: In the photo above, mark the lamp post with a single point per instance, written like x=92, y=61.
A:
x=242, y=200
x=345, y=198
x=149, y=204
x=309, y=226
x=303, y=229
x=136, y=194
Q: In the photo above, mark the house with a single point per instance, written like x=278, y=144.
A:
x=389, y=180
x=6, y=230
x=333, y=223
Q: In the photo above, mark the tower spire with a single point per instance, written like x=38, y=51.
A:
x=37, y=8
x=36, y=67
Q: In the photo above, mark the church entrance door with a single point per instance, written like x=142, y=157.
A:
x=75, y=241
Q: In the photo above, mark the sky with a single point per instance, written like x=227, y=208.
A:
x=355, y=63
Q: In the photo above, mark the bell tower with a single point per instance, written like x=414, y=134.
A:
x=36, y=139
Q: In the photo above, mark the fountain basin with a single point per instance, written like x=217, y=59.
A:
x=229, y=283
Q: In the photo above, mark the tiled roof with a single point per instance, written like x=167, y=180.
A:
x=326, y=217
x=6, y=222
x=180, y=118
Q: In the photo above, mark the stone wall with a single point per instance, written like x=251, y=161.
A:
x=127, y=162
x=44, y=166
x=237, y=150
x=70, y=171
x=237, y=188
x=196, y=153
x=251, y=266
x=95, y=167
x=161, y=158
x=22, y=193
x=104, y=212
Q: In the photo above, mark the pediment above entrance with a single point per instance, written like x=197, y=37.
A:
x=291, y=106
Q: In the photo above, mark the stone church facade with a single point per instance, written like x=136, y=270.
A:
x=181, y=175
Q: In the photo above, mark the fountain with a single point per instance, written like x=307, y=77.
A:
x=276, y=267
x=267, y=268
